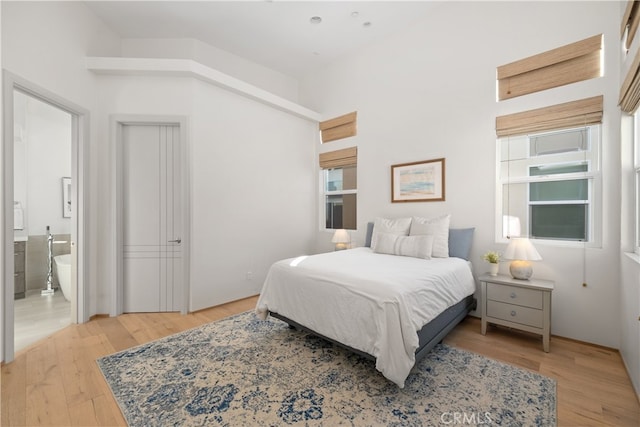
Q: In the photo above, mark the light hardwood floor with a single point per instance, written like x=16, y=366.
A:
x=57, y=382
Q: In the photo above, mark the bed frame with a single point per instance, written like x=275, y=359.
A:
x=431, y=334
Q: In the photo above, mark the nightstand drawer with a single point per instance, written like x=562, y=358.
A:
x=515, y=295
x=513, y=313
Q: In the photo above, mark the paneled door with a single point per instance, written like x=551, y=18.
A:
x=152, y=253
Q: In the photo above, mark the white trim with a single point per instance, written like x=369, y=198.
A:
x=116, y=124
x=79, y=227
x=190, y=68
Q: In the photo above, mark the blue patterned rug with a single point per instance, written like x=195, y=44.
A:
x=243, y=371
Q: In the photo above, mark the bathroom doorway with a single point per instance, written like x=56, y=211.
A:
x=42, y=219
x=26, y=109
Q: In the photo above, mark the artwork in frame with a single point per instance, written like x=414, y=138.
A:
x=418, y=181
x=66, y=197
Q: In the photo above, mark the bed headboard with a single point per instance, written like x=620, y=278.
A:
x=460, y=240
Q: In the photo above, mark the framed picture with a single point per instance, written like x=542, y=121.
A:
x=418, y=181
x=66, y=197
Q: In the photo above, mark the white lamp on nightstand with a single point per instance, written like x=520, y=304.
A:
x=342, y=239
x=521, y=251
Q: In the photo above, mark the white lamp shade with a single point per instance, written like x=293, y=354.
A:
x=341, y=236
x=521, y=248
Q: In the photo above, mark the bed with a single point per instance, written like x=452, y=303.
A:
x=388, y=307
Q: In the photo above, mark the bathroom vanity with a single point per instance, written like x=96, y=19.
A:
x=18, y=269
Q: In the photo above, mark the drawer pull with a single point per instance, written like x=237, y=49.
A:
x=15, y=274
x=513, y=313
x=513, y=295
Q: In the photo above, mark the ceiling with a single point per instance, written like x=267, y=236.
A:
x=275, y=34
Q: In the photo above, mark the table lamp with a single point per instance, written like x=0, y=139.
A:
x=521, y=251
x=342, y=239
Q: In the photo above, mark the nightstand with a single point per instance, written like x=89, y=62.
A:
x=518, y=304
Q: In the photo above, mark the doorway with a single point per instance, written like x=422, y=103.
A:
x=42, y=219
x=151, y=212
x=16, y=87
x=152, y=242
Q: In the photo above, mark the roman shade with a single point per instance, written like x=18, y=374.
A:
x=567, y=64
x=339, y=127
x=630, y=89
x=339, y=158
x=630, y=22
x=570, y=114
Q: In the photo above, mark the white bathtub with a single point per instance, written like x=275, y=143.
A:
x=63, y=273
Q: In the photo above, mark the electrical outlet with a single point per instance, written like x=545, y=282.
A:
x=249, y=275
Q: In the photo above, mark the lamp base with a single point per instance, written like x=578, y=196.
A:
x=521, y=270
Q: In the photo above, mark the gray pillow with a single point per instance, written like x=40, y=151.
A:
x=460, y=240
x=367, y=240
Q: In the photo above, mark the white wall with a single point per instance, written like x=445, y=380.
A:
x=218, y=59
x=251, y=164
x=430, y=92
x=3, y=250
x=251, y=169
x=629, y=262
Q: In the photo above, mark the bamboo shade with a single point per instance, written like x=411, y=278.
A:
x=630, y=20
x=339, y=158
x=340, y=127
x=576, y=113
x=630, y=89
x=567, y=64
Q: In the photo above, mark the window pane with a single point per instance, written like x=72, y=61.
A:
x=341, y=211
x=560, y=142
x=515, y=211
x=577, y=189
x=340, y=179
x=558, y=169
x=567, y=222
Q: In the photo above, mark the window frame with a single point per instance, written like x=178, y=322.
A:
x=593, y=175
x=636, y=171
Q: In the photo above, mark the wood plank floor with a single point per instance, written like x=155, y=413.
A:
x=57, y=382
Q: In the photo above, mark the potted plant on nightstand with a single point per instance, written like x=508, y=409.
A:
x=493, y=258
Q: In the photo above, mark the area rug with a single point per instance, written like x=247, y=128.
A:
x=242, y=371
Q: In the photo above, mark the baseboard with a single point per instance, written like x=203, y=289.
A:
x=221, y=305
x=98, y=316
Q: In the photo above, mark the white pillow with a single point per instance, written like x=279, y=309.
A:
x=398, y=227
x=412, y=246
x=436, y=227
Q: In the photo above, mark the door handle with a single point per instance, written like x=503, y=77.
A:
x=178, y=240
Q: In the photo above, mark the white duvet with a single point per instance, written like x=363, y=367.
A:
x=372, y=302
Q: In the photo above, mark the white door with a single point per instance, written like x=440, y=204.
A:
x=152, y=255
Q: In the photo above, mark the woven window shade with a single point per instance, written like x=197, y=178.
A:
x=567, y=64
x=630, y=21
x=570, y=114
x=339, y=158
x=340, y=127
x=630, y=89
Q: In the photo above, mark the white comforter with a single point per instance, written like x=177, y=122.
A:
x=372, y=302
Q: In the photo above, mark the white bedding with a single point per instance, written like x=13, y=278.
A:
x=372, y=302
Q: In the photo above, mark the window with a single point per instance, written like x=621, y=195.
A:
x=549, y=185
x=339, y=189
x=340, y=198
